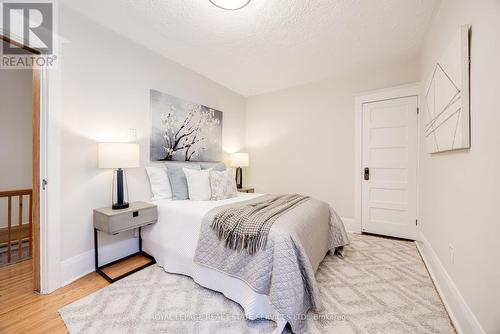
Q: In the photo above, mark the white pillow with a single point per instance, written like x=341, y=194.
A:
x=223, y=184
x=198, y=184
x=160, y=184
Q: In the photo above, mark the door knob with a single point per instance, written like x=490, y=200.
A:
x=367, y=173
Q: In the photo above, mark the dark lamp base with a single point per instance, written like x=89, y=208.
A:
x=117, y=206
x=239, y=178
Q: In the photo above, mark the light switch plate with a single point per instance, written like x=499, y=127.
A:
x=132, y=134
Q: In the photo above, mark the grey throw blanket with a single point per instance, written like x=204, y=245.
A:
x=247, y=226
x=284, y=270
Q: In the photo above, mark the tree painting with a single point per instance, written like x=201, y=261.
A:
x=184, y=131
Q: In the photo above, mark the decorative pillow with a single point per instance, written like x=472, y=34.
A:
x=178, y=182
x=198, y=182
x=218, y=166
x=223, y=184
x=160, y=185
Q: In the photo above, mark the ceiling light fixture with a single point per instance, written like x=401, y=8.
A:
x=230, y=4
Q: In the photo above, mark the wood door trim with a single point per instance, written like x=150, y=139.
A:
x=35, y=212
x=36, y=178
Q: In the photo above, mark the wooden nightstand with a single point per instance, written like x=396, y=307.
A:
x=246, y=190
x=110, y=221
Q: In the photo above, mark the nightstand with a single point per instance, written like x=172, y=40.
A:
x=246, y=190
x=110, y=221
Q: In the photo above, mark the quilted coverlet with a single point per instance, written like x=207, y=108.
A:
x=297, y=243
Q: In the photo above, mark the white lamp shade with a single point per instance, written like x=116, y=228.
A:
x=239, y=160
x=118, y=155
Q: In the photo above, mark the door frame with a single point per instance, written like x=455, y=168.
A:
x=46, y=222
x=35, y=161
x=409, y=90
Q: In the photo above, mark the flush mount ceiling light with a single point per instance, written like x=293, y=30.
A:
x=230, y=4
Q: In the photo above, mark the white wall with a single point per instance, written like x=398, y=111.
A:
x=460, y=190
x=15, y=137
x=302, y=139
x=105, y=91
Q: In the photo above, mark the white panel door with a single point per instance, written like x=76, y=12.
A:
x=389, y=160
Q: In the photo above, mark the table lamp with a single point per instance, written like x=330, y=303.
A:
x=239, y=160
x=118, y=156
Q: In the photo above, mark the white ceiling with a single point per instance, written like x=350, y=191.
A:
x=270, y=44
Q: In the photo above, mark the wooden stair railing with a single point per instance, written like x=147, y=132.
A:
x=21, y=231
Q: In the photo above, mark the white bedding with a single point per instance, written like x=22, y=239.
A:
x=172, y=242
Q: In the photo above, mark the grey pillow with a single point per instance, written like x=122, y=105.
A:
x=178, y=181
x=217, y=166
x=222, y=184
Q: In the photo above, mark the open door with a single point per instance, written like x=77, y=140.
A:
x=25, y=198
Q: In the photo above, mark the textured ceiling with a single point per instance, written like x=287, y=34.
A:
x=270, y=44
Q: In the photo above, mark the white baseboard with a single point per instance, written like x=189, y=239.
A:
x=83, y=264
x=351, y=226
x=461, y=315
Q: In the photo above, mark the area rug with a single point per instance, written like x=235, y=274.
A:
x=380, y=286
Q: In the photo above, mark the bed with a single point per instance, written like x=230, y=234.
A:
x=174, y=239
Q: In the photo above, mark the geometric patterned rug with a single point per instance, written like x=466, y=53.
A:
x=380, y=286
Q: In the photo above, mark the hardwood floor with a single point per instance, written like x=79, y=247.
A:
x=126, y=266
x=24, y=311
